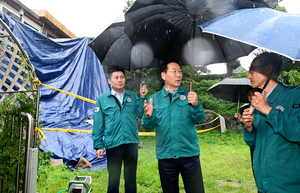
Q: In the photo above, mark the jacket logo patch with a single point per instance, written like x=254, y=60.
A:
x=129, y=100
x=96, y=109
x=280, y=107
x=182, y=97
x=296, y=106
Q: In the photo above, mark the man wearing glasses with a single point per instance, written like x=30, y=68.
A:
x=173, y=112
x=273, y=130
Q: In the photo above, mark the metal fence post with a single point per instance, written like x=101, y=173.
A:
x=30, y=178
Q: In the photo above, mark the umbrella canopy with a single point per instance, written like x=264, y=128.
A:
x=263, y=27
x=232, y=89
x=113, y=47
x=171, y=29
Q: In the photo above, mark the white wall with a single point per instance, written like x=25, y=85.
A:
x=16, y=12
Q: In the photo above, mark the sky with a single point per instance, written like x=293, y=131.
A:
x=89, y=18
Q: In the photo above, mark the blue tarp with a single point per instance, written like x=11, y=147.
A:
x=72, y=66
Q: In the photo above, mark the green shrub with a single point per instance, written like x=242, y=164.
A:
x=12, y=142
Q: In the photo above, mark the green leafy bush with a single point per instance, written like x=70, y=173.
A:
x=12, y=141
x=290, y=78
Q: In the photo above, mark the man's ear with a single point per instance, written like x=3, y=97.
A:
x=109, y=81
x=163, y=75
x=269, y=69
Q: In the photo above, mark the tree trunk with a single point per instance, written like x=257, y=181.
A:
x=229, y=70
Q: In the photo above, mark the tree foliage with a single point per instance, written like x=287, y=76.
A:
x=129, y=3
x=273, y=3
x=291, y=77
x=234, y=64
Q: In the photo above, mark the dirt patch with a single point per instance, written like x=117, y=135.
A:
x=230, y=183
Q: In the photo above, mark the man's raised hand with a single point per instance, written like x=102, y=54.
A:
x=148, y=108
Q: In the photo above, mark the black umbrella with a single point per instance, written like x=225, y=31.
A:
x=171, y=29
x=232, y=89
x=113, y=47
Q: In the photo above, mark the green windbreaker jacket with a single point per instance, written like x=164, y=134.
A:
x=176, y=135
x=117, y=124
x=276, y=142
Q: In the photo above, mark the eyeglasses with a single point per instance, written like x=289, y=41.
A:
x=174, y=72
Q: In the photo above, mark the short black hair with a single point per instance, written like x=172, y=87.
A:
x=113, y=69
x=270, y=58
x=164, y=66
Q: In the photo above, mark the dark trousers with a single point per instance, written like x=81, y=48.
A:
x=127, y=153
x=191, y=174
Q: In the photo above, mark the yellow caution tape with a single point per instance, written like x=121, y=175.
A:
x=38, y=82
x=153, y=133
x=40, y=132
x=146, y=133
x=67, y=130
x=204, y=130
x=210, y=121
x=90, y=131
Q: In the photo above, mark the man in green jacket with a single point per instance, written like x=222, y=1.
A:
x=273, y=131
x=174, y=111
x=115, y=129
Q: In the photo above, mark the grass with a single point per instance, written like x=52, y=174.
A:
x=225, y=162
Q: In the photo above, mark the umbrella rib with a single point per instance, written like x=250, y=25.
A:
x=184, y=20
x=221, y=49
x=204, y=12
x=239, y=43
x=173, y=15
x=187, y=11
x=176, y=21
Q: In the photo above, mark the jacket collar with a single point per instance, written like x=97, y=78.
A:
x=125, y=92
x=165, y=93
x=276, y=92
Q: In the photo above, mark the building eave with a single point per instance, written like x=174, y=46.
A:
x=44, y=19
x=18, y=5
x=45, y=16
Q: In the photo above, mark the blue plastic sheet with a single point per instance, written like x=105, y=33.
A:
x=72, y=66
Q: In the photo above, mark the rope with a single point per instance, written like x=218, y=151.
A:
x=146, y=133
x=67, y=130
x=201, y=131
x=40, y=132
x=210, y=121
x=90, y=131
x=38, y=82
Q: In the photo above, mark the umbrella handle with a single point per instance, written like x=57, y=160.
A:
x=191, y=86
